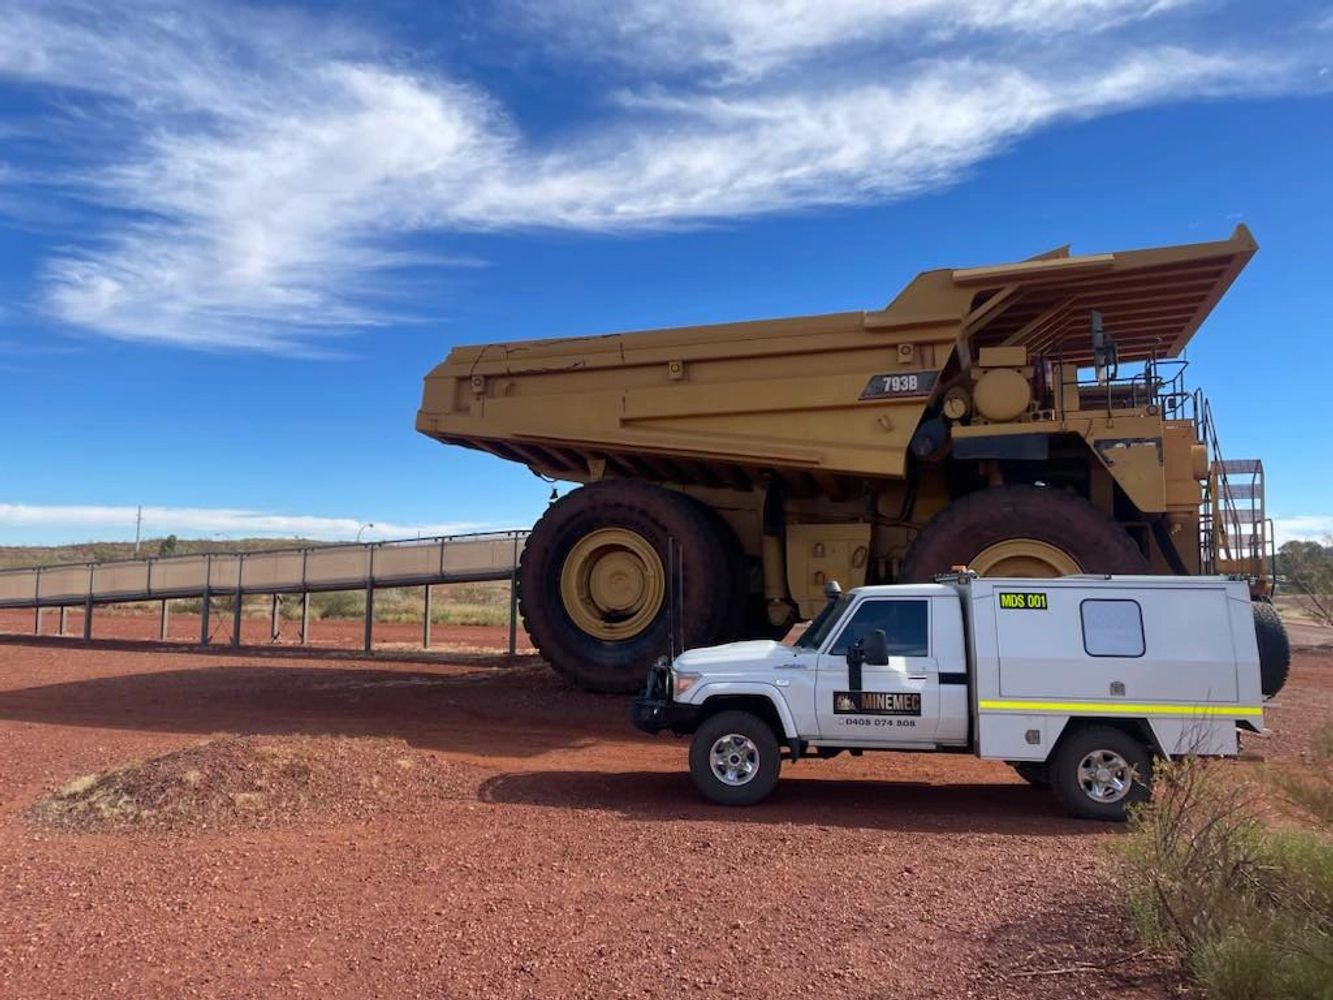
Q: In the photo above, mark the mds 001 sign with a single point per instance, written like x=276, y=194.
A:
x=1012, y=601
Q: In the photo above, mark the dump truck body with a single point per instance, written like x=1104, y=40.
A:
x=827, y=446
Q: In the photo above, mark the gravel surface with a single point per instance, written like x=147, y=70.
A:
x=563, y=855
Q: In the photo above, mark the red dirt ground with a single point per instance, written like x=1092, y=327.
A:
x=572, y=858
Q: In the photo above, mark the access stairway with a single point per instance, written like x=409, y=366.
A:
x=1236, y=534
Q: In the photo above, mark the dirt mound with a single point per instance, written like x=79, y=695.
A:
x=253, y=781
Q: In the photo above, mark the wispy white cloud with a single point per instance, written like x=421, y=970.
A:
x=745, y=39
x=1303, y=528
x=729, y=156
x=110, y=523
x=254, y=170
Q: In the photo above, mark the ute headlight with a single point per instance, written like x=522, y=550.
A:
x=682, y=682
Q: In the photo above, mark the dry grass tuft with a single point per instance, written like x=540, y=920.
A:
x=1246, y=908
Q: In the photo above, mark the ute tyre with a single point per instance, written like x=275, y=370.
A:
x=1274, y=648
x=654, y=515
x=735, y=759
x=964, y=529
x=1088, y=756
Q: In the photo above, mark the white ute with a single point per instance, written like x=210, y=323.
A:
x=1077, y=682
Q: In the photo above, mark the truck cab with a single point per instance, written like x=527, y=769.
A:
x=1078, y=682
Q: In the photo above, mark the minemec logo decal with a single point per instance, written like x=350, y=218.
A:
x=876, y=703
x=1022, y=602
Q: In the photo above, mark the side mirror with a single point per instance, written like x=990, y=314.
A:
x=876, y=648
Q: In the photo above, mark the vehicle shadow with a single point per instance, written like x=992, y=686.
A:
x=999, y=808
x=515, y=713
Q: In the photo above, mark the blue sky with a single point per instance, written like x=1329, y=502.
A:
x=233, y=239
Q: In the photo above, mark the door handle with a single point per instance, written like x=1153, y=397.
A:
x=918, y=677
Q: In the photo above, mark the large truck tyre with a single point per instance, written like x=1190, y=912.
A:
x=1274, y=648
x=1021, y=531
x=593, y=581
x=736, y=571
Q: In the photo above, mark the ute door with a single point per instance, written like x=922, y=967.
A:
x=898, y=702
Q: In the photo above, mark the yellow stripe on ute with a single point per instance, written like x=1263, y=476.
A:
x=1115, y=708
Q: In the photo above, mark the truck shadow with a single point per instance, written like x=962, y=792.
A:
x=513, y=712
x=998, y=808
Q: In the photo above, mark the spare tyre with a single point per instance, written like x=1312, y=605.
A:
x=1274, y=648
x=1021, y=531
x=593, y=582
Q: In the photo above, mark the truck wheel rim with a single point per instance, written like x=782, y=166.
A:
x=735, y=759
x=612, y=583
x=1105, y=776
x=1024, y=557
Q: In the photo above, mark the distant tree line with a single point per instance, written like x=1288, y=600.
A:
x=1305, y=571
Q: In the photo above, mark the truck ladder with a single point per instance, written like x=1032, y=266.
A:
x=1235, y=533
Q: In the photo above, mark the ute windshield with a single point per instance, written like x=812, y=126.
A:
x=814, y=636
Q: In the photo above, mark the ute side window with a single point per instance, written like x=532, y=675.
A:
x=905, y=622
x=1112, y=627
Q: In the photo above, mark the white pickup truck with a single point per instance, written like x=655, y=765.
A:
x=1078, y=682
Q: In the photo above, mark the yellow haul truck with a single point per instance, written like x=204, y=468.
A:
x=1025, y=420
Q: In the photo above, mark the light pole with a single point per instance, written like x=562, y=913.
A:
x=368, y=524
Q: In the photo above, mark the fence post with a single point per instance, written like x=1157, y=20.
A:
x=164, y=623
x=236, y=612
x=305, y=617
x=88, y=607
x=513, y=602
x=425, y=624
x=206, y=606
x=370, y=602
x=37, y=603
x=273, y=619
x=64, y=617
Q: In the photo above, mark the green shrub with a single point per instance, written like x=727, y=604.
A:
x=1309, y=787
x=469, y=614
x=1247, y=909
x=339, y=604
x=449, y=606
